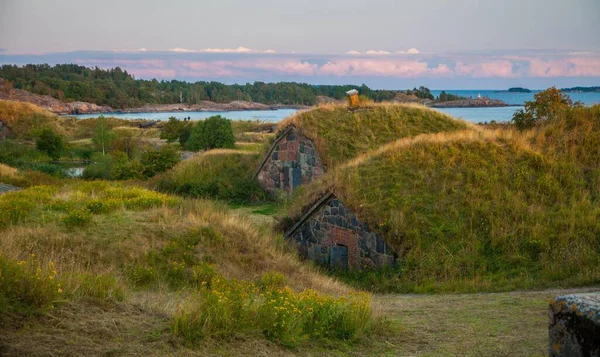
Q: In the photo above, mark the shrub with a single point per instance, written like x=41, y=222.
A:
x=156, y=161
x=50, y=142
x=172, y=130
x=27, y=286
x=545, y=106
x=77, y=217
x=212, y=133
x=99, y=169
x=225, y=176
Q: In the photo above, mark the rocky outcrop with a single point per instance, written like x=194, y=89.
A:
x=471, y=103
x=575, y=326
x=7, y=92
x=236, y=105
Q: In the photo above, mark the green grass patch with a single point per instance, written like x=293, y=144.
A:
x=227, y=307
x=218, y=174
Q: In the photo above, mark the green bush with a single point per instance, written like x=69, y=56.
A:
x=212, y=133
x=50, y=142
x=224, y=176
x=77, y=217
x=157, y=161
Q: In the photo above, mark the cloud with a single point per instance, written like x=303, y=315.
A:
x=377, y=53
x=410, y=51
x=240, y=49
x=228, y=50
x=260, y=66
x=179, y=49
x=353, y=52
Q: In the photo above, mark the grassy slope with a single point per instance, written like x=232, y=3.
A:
x=24, y=119
x=473, y=210
x=104, y=266
x=341, y=134
x=222, y=174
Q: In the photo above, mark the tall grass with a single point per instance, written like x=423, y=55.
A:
x=227, y=307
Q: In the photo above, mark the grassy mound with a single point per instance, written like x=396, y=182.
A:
x=473, y=210
x=218, y=174
x=188, y=270
x=23, y=119
x=341, y=134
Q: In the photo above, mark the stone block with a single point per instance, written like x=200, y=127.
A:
x=575, y=326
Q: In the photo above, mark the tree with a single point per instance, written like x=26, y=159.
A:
x=214, y=132
x=103, y=136
x=50, y=142
x=156, y=161
x=545, y=106
x=171, y=131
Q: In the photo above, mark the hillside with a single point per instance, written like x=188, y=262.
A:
x=341, y=134
x=472, y=210
x=170, y=275
x=218, y=174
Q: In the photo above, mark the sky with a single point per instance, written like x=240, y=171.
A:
x=458, y=44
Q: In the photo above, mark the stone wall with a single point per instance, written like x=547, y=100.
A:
x=333, y=224
x=292, y=162
x=575, y=326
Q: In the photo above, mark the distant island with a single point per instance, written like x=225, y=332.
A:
x=581, y=89
x=75, y=89
x=519, y=90
x=515, y=90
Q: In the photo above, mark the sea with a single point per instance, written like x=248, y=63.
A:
x=476, y=115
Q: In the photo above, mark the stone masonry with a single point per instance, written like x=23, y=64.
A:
x=293, y=161
x=575, y=326
x=331, y=226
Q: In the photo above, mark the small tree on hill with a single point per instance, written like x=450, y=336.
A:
x=50, y=143
x=214, y=132
x=103, y=136
x=544, y=107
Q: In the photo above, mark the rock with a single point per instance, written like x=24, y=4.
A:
x=471, y=103
x=575, y=325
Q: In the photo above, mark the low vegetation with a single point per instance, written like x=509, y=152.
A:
x=211, y=272
x=341, y=134
x=217, y=174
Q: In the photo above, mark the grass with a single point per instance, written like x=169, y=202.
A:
x=25, y=119
x=499, y=324
x=473, y=211
x=341, y=134
x=7, y=171
x=138, y=249
x=222, y=174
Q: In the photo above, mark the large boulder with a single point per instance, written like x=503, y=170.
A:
x=575, y=326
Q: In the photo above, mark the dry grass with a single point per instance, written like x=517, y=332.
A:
x=8, y=171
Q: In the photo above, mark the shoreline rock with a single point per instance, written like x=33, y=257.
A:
x=471, y=103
